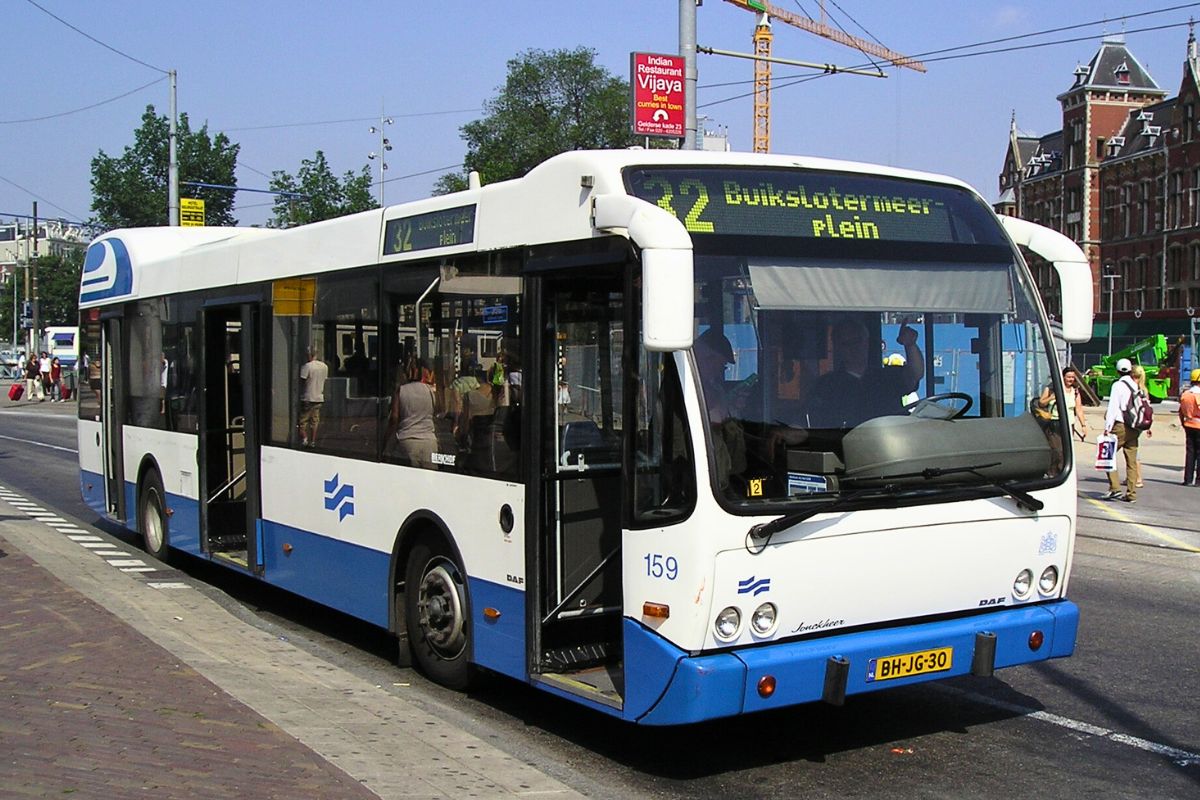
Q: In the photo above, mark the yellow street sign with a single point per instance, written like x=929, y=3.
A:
x=191, y=211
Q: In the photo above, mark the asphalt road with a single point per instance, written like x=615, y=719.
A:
x=1119, y=719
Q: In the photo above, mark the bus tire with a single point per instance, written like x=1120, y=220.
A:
x=152, y=517
x=437, y=615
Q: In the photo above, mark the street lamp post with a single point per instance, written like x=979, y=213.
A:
x=1111, y=277
x=384, y=147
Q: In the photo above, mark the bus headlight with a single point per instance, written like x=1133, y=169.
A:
x=728, y=623
x=1049, y=580
x=764, y=618
x=1023, y=583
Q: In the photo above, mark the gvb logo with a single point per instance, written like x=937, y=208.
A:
x=754, y=587
x=339, y=498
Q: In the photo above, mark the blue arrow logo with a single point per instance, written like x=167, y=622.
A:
x=341, y=499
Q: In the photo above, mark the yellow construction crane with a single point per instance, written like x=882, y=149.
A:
x=762, y=57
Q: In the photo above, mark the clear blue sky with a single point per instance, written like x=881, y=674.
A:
x=285, y=79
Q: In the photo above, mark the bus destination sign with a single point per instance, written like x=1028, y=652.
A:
x=444, y=228
x=807, y=204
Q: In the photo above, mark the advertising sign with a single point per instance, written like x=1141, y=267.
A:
x=657, y=102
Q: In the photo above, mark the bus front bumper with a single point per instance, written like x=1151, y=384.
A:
x=832, y=667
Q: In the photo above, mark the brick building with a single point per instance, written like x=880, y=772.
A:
x=1121, y=178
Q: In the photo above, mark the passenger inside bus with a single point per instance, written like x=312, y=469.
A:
x=713, y=352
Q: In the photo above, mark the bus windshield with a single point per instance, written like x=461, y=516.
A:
x=904, y=355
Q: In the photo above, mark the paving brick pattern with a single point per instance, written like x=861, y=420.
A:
x=90, y=708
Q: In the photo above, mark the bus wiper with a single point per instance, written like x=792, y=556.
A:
x=765, y=530
x=1024, y=499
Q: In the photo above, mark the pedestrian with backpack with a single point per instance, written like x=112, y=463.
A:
x=1126, y=415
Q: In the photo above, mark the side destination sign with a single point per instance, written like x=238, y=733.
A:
x=444, y=228
x=813, y=205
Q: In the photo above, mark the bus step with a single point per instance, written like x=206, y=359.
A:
x=580, y=656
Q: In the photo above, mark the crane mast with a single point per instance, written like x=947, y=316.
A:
x=762, y=52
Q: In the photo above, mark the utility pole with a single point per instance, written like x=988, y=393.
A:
x=35, y=336
x=173, y=165
x=687, y=49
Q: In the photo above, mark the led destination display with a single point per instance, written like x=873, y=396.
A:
x=444, y=228
x=815, y=205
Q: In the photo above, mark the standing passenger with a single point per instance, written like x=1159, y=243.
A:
x=1127, y=439
x=411, y=420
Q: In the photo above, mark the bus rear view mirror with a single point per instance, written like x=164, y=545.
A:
x=667, y=299
x=1074, y=272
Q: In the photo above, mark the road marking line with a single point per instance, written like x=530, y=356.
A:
x=40, y=444
x=87, y=537
x=127, y=562
x=1122, y=517
x=96, y=545
x=167, y=585
x=1182, y=758
x=138, y=569
x=66, y=527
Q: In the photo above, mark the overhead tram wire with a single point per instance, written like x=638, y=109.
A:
x=786, y=82
x=88, y=36
x=1044, y=32
x=38, y=197
x=348, y=120
x=84, y=108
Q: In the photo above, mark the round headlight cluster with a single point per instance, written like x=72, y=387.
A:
x=1046, y=584
x=728, y=623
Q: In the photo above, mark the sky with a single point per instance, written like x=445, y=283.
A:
x=285, y=79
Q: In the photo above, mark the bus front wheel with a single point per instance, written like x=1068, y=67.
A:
x=437, y=616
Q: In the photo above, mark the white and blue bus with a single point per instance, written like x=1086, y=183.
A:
x=673, y=435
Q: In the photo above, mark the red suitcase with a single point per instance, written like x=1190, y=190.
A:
x=15, y=391
x=66, y=393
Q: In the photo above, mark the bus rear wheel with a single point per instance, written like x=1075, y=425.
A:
x=437, y=615
x=152, y=517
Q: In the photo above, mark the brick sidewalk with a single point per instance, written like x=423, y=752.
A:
x=90, y=708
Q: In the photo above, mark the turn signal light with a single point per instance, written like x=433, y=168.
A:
x=766, y=686
x=491, y=614
x=656, y=610
x=1035, y=640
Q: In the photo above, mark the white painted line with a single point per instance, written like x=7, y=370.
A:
x=40, y=444
x=110, y=553
x=96, y=545
x=166, y=585
x=55, y=519
x=67, y=528
x=1181, y=758
x=138, y=569
x=85, y=538
x=127, y=562
x=1112, y=511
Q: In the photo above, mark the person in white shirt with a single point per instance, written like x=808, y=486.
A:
x=1127, y=439
x=313, y=374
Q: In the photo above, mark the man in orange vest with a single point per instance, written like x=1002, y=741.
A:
x=1189, y=415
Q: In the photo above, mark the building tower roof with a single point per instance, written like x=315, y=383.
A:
x=1113, y=67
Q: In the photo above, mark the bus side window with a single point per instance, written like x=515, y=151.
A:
x=664, y=483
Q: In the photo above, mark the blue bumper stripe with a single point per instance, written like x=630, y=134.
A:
x=724, y=684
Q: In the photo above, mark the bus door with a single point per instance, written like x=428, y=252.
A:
x=579, y=538
x=228, y=435
x=113, y=416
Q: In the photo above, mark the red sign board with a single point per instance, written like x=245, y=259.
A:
x=657, y=104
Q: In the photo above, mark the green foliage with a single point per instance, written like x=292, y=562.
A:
x=131, y=191
x=325, y=196
x=552, y=102
x=58, y=293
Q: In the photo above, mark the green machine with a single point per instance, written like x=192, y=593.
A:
x=1152, y=353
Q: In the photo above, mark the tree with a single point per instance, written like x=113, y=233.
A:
x=131, y=191
x=551, y=102
x=57, y=288
x=324, y=196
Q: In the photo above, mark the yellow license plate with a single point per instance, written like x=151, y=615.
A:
x=908, y=664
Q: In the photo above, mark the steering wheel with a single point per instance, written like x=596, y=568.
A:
x=928, y=408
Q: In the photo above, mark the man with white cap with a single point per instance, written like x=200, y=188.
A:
x=1119, y=400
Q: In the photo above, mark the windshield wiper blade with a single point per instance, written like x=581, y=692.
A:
x=764, y=530
x=1024, y=499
